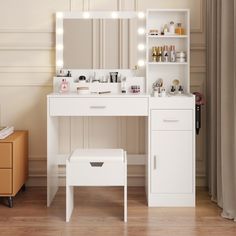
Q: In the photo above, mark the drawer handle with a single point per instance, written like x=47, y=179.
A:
x=96, y=164
x=97, y=107
x=155, y=163
x=170, y=120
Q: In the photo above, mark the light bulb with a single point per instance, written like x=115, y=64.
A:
x=141, y=63
x=141, y=15
x=114, y=14
x=59, y=47
x=86, y=14
x=59, y=15
x=141, y=47
x=59, y=63
x=59, y=31
x=141, y=31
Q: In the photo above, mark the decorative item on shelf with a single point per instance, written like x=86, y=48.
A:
x=156, y=86
x=153, y=32
x=68, y=74
x=113, y=77
x=172, y=28
x=64, y=86
x=123, y=85
x=165, y=54
x=61, y=73
x=181, y=89
x=175, y=83
x=154, y=54
x=82, y=79
x=181, y=57
x=165, y=29
x=179, y=29
x=162, y=92
x=135, y=88
x=83, y=90
x=172, y=90
x=159, y=54
x=172, y=53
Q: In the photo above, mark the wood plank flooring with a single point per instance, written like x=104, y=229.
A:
x=99, y=212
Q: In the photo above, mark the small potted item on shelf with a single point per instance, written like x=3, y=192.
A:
x=153, y=32
x=172, y=90
x=162, y=92
x=179, y=29
x=156, y=86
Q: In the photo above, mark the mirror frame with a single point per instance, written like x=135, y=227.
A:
x=60, y=16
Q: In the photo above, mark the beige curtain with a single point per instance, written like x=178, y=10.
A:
x=221, y=103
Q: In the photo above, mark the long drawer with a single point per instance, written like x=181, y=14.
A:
x=70, y=106
x=5, y=155
x=99, y=173
x=172, y=120
x=5, y=181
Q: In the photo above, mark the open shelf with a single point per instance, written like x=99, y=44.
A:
x=168, y=63
x=168, y=36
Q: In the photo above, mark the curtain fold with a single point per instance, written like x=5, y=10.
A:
x=221, y=104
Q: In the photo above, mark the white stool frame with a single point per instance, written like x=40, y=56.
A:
x=70, y=190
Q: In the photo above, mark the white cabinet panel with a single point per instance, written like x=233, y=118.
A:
x=171, y=162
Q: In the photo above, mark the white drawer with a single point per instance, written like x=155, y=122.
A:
x=172, y=120
x=77, y=106
x=96, y=173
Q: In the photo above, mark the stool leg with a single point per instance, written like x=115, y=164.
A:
x=69, y=202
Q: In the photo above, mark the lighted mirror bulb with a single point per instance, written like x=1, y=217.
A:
x=141, y=63
x=59, y=31
x=59, y=47
x=141, y=15
x=141, y=31
x=141, y=47
x=59, y=63
x=86, y=15
x=114, y=14
x=59, y=15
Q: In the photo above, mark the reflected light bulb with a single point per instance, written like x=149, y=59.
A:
x=141, y=47
x=141, y=15
x=86, y=14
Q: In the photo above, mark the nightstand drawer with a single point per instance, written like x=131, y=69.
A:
x=172, y=120
x=5, y=155
x=5, y=181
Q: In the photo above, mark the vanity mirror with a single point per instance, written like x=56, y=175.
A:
x=99, y=40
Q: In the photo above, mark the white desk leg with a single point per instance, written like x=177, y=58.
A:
x=125, y=191
x=52, y=161
x=69, y=194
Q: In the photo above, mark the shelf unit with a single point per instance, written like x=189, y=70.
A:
x=168, y=71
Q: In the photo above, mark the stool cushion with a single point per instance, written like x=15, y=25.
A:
x=97, y=155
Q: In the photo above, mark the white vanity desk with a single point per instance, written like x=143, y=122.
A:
x=170, y=120
x=170, y=163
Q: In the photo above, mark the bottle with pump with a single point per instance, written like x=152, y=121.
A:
x=64, y=87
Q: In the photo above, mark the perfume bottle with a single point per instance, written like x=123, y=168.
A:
x=172, y=53
x=179, y=29
x=159, y=54
x=64, y=87
x=165, y=54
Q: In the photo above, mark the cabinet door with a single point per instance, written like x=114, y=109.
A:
x=5, y=181
x=171, y=162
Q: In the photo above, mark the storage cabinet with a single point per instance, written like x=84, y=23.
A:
x=13, y=164
x=172, y=152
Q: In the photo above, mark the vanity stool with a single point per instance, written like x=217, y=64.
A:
x=95, y=167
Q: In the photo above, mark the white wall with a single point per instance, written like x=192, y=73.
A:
x=27, y=29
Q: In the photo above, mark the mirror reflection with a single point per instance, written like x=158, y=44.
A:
x=100, y=43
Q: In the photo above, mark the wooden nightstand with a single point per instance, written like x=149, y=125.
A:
x=13, y=164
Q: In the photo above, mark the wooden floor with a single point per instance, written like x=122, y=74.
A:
x=99, y=211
